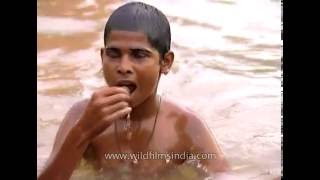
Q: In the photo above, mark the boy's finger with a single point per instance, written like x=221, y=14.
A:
x=116, y=107
x=119, y=114
x=111, y=100
x=109, y=91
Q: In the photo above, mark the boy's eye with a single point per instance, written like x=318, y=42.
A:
x=139, y=54
x=112, y=53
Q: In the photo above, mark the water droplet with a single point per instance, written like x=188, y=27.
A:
x=199, y=165
x=167, y=161
x=135, y=161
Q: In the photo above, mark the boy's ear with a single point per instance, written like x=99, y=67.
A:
x=101, y=53
x=166, y=62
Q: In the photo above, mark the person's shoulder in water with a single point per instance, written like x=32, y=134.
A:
x=182, y=129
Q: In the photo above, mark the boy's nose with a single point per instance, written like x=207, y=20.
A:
x=125, y=66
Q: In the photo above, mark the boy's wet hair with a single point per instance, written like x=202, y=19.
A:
x=141, y=17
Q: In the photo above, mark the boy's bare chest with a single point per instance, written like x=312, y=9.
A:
x=147, y=151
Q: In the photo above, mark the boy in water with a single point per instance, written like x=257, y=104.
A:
x=128, y=116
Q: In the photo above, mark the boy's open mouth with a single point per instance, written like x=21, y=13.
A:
x=128, y=84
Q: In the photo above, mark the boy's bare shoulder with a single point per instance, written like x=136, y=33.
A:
x=73, y=115
x=75, y=112
x=180, y=113
x=185, y=124
x=193, y=134
x=69, y=121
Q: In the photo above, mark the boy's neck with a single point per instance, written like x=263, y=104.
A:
x=146, y=109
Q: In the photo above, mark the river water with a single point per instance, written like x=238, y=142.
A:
x=227, y=69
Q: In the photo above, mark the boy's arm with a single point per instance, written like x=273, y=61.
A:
x=82, y=123
x=204, y=143
x=69, y=121
x=65, y=153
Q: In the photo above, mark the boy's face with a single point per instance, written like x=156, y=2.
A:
x=129, y=60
